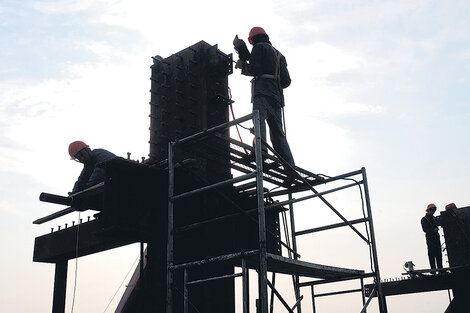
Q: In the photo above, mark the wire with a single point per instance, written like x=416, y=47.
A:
x=76, y=263
x=120, y=285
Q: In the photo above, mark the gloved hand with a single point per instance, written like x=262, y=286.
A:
x=240, y=64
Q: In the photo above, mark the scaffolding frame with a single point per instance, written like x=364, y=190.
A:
x=294, y=179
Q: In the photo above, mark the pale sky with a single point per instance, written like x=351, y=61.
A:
x=379, y=84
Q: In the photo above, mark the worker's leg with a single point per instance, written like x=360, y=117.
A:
x=432, y=259
x=276, y=133
x=439, y=259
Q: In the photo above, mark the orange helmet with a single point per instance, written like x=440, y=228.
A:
x=431, y=206
x=255, y=31
x=75, y=147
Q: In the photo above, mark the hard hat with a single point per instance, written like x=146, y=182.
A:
x=75, y=147
x=255, y=31
x=431, y=206
x=451, y=206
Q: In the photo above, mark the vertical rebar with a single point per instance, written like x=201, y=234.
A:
x=185, y=291
x=169, y=249
x=294, y=246
x=262, y=273
x=380, y=296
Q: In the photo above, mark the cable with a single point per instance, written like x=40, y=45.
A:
x=76, y=263
x=125, y=277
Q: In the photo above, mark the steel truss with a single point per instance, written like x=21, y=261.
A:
x=290, y=179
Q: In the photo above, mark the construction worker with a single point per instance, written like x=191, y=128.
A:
x=92, y=173
x=270, y=76
x=429, y=223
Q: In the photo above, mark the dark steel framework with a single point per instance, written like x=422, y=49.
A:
x=290, y=180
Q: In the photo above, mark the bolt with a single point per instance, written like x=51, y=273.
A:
x=59, y=228
x=80, y=221
x=52, y=229
x=128, y=155
x=66, y=225
x=73, y=223
x=88, y=218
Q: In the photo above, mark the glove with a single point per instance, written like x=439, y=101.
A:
x=240, y=64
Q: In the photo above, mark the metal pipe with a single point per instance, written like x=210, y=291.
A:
x=316, y=192
x=337, y=292
x=199, y=281
x=51, y=198
x=380, y=295
x=271, y=305
x=213, y=129
x=245, y=287
x=364, y=308
x=334, y=280
x=327, y=227
x=294, y=247
x=292, y=190
x=279, y=297
x=263, y=266
x=222, y=258
x=54, y=216
x=213, y=186
x=363, y=293
x=313, y=298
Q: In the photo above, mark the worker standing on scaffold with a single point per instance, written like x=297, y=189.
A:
x=270, y=76
x=429, y=224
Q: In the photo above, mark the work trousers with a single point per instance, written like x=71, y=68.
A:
x=435, y=255
x=270, y=111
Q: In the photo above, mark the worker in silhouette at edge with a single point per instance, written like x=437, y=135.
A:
x=92, y=173
x=429, y=223
x=270, y=76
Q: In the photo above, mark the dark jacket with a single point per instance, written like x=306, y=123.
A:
x=92, y=174
x=263, y=60
x=429, y=224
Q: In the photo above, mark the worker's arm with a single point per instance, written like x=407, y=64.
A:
x=96, y=177
x=254, y=67
x=82, y=180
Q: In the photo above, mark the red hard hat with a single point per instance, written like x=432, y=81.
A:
x=430, y=206
x=75, y=147
x=255, y=31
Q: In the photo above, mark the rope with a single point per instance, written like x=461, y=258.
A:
x=76, y=263
x=125, y=277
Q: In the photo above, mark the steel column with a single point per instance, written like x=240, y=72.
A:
x=60, y=287
x=380, y=296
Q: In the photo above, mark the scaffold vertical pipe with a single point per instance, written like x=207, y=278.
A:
x=380, y=295
x=262, y=272
x=245, y=286
x=312, y=288
x=363, y=294
x=169, y=249
x=294, y=246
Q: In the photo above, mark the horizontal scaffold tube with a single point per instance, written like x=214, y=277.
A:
x=213, y=186
x=213, y=129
